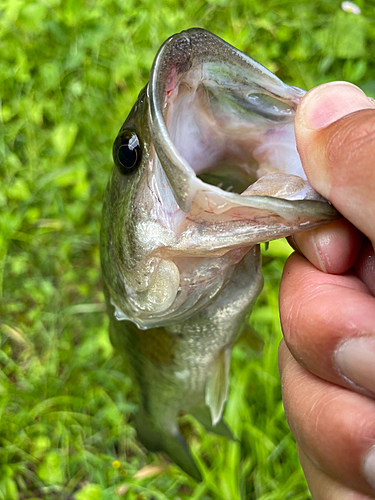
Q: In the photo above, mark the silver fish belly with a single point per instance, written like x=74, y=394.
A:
x=205, y=169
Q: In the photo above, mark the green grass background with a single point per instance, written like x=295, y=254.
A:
x=69, y=73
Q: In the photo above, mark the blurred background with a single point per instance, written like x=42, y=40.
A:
x=69, y=73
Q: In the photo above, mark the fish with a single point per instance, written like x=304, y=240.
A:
x=205, y=169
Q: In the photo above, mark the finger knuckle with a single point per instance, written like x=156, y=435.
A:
x=350, y=144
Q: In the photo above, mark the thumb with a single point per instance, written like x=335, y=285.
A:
x=335, y=134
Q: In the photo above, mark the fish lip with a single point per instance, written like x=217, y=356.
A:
x=183, y=173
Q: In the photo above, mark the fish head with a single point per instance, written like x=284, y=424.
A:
x=206, y=167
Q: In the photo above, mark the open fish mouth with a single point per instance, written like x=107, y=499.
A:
x=219, y=173
x=223, y=127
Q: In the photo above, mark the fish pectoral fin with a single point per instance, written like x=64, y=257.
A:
x=252, y=339
x=168, y=439
x=203, y=415
x=217, y=385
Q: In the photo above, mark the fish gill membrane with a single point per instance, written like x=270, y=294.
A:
x=205, y=169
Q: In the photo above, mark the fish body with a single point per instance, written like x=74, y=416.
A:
x=206, y=168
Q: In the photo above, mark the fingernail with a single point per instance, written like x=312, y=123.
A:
x=327, y=103
x=318, y=253
x=355, y=360
x=312, y=247
x=369, y=467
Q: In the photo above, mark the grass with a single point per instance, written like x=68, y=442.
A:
x=69, y=73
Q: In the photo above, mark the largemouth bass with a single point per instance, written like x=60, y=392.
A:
x=205, y=169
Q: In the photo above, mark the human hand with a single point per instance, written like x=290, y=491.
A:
x=327, y=300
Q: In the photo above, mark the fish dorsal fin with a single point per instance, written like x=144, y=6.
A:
x=217, y=385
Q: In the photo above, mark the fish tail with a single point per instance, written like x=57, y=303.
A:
x=166, y=438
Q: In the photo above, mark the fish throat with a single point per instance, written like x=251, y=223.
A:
x=230, y=138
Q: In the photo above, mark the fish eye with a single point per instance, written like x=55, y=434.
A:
x=127, y=152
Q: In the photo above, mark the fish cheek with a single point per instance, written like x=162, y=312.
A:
x=158, y=346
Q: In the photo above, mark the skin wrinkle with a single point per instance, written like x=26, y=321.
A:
x=324, y=401
x=329, y=147
x=312, y=334
x=355, y=154
x=294, y=406
x=347, y=145
x=319, y=253
x=292, y=311
x=297, y=431
x=318, y=414
x=322, y=486
x=296, y=313
x=302, y=389
x=301, y=378
x=312, y=438
x=309, y=415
